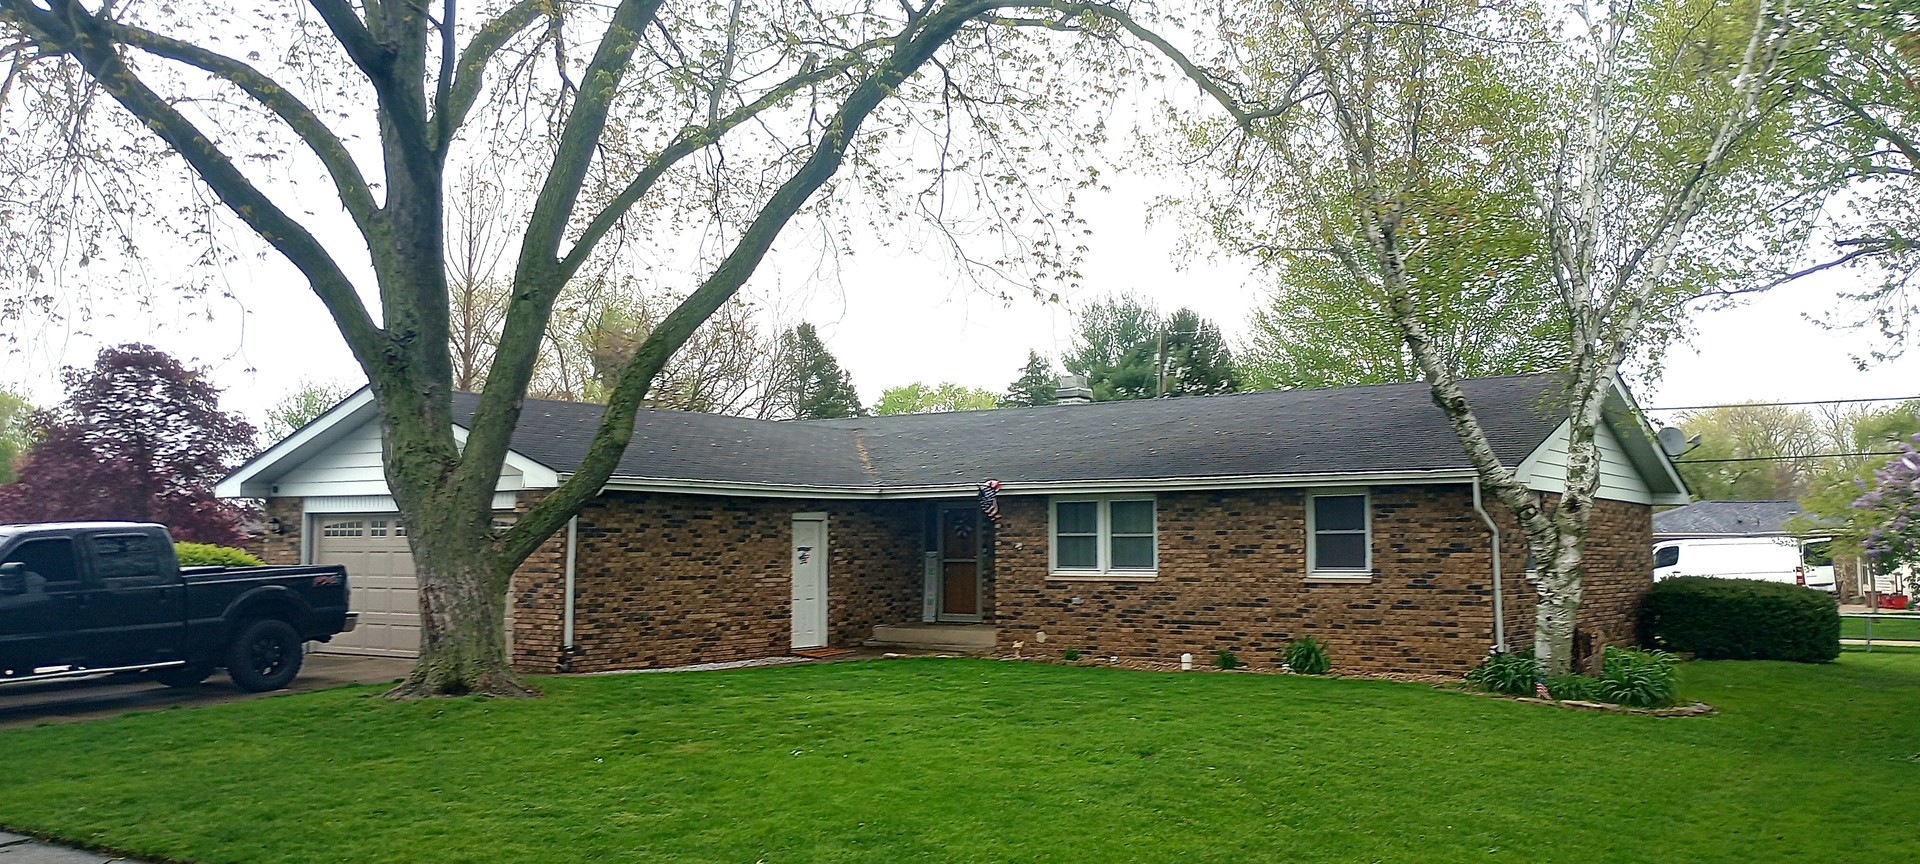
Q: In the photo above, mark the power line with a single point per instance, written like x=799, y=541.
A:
x=1788, y=458
x=1783, y=404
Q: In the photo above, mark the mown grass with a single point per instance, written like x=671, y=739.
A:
x=1883, y=628
x=983, y=761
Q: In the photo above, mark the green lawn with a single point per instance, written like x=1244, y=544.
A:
x=984, y=761
x=1883, y=628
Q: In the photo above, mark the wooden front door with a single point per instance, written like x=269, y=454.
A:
x=960, y=564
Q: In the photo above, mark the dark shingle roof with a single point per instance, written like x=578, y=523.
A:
x=1389, y=427
x=1725, y=518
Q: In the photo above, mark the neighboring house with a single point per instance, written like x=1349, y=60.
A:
x=1715, y=530
x=1139, y=529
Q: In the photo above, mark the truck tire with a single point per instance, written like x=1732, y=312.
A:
x=189, y=675
x=265, y=655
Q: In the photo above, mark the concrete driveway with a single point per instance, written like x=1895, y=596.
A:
x=92, y=698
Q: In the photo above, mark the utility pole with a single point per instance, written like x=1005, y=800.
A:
x=1160, y=388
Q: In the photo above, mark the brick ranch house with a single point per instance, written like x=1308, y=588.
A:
x=1142, y=529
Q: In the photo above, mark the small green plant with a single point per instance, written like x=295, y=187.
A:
x=207, y=554
x=1513, y=674
x=1636, y=679
x=1583, y=688
x=1307, y=656
x=1069, y=653
x=1226, y=659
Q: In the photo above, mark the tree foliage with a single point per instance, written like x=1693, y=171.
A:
x=922, y=398
x=1123, y=343
x=1037, y=384
x=301, y=406
x=138, y=437
x=1774, y=433
x=808, y=383
x=16, y=432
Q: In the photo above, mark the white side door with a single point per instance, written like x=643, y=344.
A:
x=809, y=580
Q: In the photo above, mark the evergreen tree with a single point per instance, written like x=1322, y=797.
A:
x=1037, y=385
x=808, y=380
x=1110, y=329
x=1197, y=361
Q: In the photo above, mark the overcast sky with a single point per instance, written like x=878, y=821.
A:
x=896, y=316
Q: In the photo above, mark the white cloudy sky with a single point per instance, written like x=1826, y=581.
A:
x=895, y=317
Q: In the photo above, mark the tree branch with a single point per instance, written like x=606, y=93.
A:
x=374, y=59
x=451, y=111
x=68, y=28
x=351, y=184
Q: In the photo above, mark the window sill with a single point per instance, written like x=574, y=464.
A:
x=1341, y=578
x=1110, y=576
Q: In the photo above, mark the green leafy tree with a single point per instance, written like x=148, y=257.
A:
x=1837, y=483
x=919, y=398
x=1037, y=385
x=1109, y=329
x=659, y=131
x=1772, y=435
x=16, y=432
x=300, y=407
x=1637, y=146
x=808, y=383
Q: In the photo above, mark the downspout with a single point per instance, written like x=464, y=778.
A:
x=1499, y=610
x=568, y=649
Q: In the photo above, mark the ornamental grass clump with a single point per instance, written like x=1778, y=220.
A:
x=1512, y=674
x=1308, y=656
x=1636, y=679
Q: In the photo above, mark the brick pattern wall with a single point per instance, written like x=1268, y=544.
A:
x=667, y=580
x=283, y=548
x=1232, y=576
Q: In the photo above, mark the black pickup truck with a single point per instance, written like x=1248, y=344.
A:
x=86, y=598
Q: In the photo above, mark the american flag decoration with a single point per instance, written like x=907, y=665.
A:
x=1540, y=689
x=990, y=500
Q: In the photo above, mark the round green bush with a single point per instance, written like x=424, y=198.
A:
x=1740, y=619
x=209, y=555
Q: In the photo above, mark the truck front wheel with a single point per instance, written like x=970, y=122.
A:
x=265, y=655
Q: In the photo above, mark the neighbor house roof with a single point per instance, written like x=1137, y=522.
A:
x=1726, y=519
x=1379, y=432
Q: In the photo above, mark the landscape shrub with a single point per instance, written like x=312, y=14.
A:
x=1069, y=654
x=1636, y=679
x=1226, y=660
x=1307, y=656
x=1740, y=619
x=1512, y=673
x=209, y=555
x=1582, y=688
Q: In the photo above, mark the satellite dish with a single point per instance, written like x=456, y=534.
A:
x=1672, y=441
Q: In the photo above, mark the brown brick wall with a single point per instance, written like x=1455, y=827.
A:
x=283, y=548
x=667, y=580
x=1232, y=576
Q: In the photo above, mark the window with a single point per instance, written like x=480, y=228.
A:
x=1339, y=541
x=1666, y=556
x=48, y=564
x=343, y=529
x=1817, y=553
x=1104, y=537
x=121, y=559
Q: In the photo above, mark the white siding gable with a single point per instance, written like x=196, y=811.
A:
x=1545, y=469
x=351, y=466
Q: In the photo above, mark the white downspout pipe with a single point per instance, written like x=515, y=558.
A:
x=566, y=615
x=1499, y=610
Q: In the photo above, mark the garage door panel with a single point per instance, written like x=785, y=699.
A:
x=385, y=594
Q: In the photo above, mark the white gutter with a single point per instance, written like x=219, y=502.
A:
x=1499, y=609
x=566, y=616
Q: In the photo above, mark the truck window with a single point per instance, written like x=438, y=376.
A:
x=1818, y=553
x=123, y=560
x=1666, y=556
x=50, y=564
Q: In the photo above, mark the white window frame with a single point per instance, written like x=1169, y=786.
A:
x=1363, y=574
x=1103, y=541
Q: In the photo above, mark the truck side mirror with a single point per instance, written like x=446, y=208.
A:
x=13, y=578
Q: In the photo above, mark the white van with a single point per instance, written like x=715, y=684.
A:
x=1773, y=559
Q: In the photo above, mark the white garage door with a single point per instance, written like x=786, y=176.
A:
x=373, y=548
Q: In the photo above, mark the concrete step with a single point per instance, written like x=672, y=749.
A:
x=920, y=636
